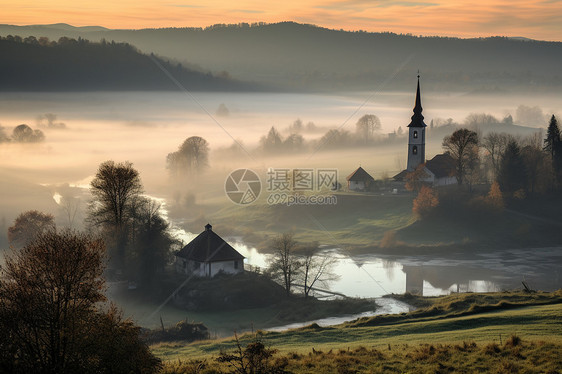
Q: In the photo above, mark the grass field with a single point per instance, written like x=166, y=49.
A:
x=457, y=320
x=359, y=222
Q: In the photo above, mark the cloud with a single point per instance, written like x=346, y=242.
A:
x=538, y=19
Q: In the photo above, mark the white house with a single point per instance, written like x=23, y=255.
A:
x=359, y=180
x=207, y=255
x=441, y=170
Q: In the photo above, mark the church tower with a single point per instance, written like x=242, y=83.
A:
x=416, y=136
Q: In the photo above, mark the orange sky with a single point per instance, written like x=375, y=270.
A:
x=537, y=19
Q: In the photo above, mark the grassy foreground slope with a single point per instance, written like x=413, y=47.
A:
x=458, y=328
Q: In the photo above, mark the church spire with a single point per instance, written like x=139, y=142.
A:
x=417, y=118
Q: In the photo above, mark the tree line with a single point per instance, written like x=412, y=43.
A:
x=22, y=134
x=519, y=165
x=514, y=167
x=40, y=64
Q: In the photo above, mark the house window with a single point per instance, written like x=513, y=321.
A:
x=415, y=134
x=184, y=264
x=236, y=264
x=415, y=150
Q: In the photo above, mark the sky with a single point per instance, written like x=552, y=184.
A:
x=536, y=19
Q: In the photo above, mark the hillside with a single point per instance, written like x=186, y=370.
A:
x=300, y=56
x=35, y=64
x=456, y=333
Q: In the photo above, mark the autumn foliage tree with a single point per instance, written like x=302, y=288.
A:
x=415, y=179
x=425, y=202
x=495, y=197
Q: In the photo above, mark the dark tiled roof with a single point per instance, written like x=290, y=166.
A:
x=442, y=166
x=359, y=175
x=209, y=247
x=401, y=176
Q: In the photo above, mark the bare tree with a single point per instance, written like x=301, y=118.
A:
x=285, y=264
x=70, y=206
x=28, y=225
x=495, y=144
x=114, y=188
x=474, y=120
x=367, y=125
x=191, y=157
x=460, y=146
x=317, y=268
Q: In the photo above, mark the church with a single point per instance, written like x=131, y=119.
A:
x=440, y=170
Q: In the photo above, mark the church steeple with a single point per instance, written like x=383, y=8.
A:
x=417, y=118
x=416, y=138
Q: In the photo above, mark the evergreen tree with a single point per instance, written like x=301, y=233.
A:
x=553, y=145
x=552, y=141
x=512, y=174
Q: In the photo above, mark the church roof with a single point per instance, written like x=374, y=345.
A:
x=417, y=118
x=442, y=166
x=359, y=175
x=209, y=247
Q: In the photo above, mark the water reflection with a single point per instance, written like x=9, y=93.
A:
x=370, y=276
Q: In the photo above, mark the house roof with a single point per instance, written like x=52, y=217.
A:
x=209, y=247
x=442, y=166
x=359, y=175
x=400, y=176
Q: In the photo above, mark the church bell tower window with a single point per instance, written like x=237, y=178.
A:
x=415, y=150
x=415, y=134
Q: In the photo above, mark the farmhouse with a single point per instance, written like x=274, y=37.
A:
x=359, y=180
x=441, y=170
x=207, y=255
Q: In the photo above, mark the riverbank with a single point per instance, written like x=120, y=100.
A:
x=225, y=304
x=457, y=320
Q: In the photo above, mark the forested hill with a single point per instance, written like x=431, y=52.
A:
x=309, y=57
x=37, y=64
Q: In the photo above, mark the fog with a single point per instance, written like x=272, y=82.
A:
x=144, y=127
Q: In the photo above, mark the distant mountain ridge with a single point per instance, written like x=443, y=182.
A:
x=33, y=64
x=307, y=57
